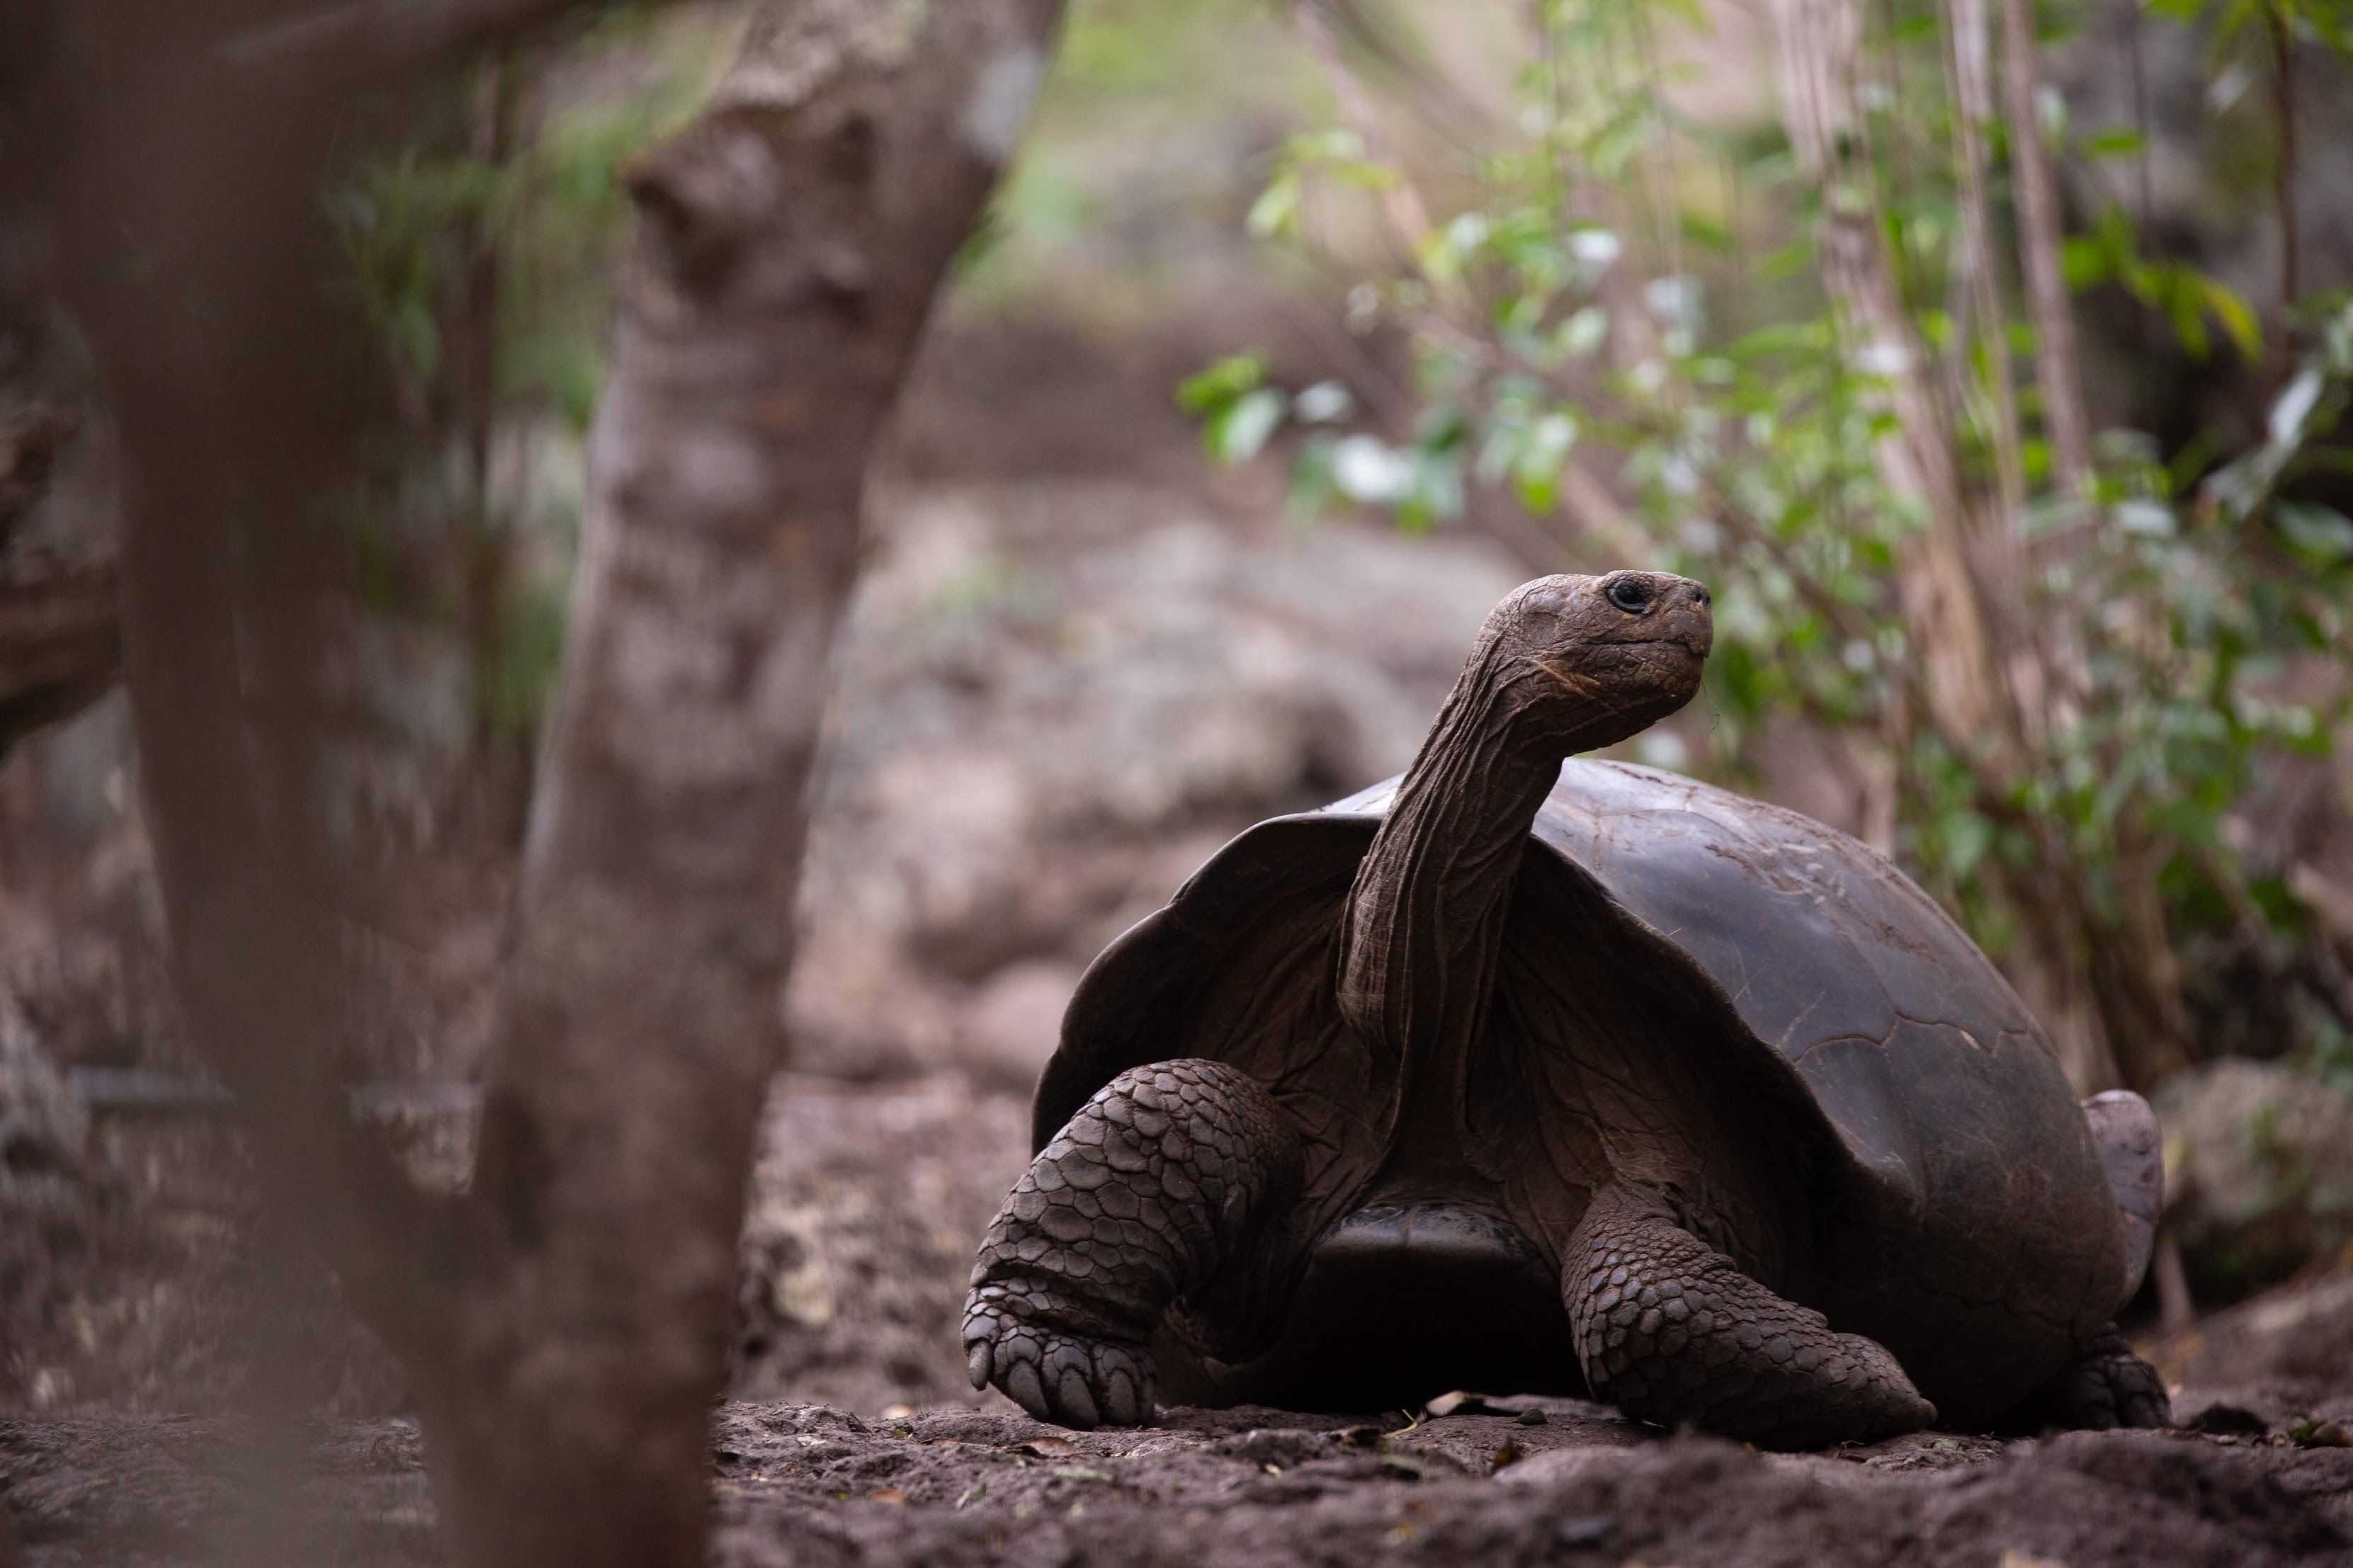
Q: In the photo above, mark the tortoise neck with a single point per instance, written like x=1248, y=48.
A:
x=1423, y=927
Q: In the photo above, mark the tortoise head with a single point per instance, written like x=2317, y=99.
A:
x=1591, y=661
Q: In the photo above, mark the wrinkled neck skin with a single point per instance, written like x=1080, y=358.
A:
x=1423, y=929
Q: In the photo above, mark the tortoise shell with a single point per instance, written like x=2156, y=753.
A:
x=1858, y=1082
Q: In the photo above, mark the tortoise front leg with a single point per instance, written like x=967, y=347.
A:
x=1147, y=1192
x=1669, y=1330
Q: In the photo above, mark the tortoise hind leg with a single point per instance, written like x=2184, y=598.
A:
x=2102, y=1387
x=1143, y=1197
x=1670, y=1331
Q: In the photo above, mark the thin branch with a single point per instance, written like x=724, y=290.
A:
x=2282, y=44
x=1401, y=199
x=1588, y=503
x=2064, y=421
x=1818, y=43
x=364, y=37
x=1969, y=59
x=2135, y=48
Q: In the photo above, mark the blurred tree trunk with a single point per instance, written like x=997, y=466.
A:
x=565, y=1324
x=2132, y=971
x=60, y=631
x=1819, y=39
x=792, y=241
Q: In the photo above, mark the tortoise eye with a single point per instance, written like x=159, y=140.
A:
x=1629, y=595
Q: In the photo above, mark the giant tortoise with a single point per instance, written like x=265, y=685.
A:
x=1523, y=1072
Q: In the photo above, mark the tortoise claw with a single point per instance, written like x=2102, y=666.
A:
x=1071, y=1379
x=1122, y=1404
x=1073, y=1402
x=1020, y=1384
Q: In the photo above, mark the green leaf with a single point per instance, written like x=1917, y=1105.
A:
x=1235, y=433
x=1221, y=382
x=1368, y=469
x=2322, y=535
x=1583, y=331
x=2294, y=405
x=2087, y=261
x=1967, y=836
x=1311, y=490
x=2232, y=310
x=1276, y=211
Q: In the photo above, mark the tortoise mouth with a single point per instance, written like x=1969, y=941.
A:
x=1694, y=644
x=1619, y=660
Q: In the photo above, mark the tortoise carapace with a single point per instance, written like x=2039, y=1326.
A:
x=1534, y=1074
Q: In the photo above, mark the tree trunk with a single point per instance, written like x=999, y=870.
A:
x=791, y=243
x=60, y=629
x=1818, y=41
x=2047, y=304
x=1969, y=64
x=2133, y=974
x=565, y=1324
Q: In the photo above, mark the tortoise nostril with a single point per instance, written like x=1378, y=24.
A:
x=1700, y=595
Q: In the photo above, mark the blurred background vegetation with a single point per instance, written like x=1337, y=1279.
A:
x=1302, y=330
x=1707, y=286
x=1569, y=261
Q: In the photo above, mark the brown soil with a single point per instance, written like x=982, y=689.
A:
x=869, y=1201
x=1523, y=1482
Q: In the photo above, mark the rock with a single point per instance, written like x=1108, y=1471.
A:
x=48, y=1201
x=44, y=1132
x=1013, y=1021
x=2259, y=1172
x=2296, y=1337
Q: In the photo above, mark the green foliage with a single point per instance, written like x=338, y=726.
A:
x=400, y=221
x=491, y=273
x=2111, y=253
x=1587, y=303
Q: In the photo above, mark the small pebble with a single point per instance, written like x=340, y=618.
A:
x=1585, y=1530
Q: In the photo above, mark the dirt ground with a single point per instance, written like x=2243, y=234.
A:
x=870, y=1197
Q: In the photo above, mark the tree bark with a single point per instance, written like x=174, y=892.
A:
x=1818, y=42
x=364, y=40
x=1969, y=60
x=2134, y=976
x=792, y=241
x=565, y=1324
x=2037, y=196
x=60, y=629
